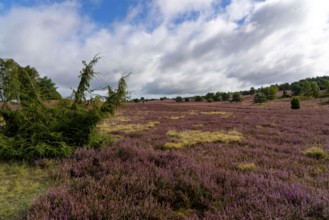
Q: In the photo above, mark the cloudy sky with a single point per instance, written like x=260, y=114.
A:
x=172, y=47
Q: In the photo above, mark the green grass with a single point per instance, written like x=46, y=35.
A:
x=191, y=137
x=19, y=185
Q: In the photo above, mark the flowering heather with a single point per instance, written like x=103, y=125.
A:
x=266, y=175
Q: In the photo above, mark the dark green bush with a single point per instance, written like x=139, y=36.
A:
x=37, y=131
x=295, y=103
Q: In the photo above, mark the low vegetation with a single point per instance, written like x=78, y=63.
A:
x=192, y=137
x=316, y=152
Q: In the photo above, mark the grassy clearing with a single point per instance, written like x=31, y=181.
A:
x=127, y=128
x=191, y=137
x=19, y=185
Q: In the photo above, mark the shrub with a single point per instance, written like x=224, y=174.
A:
x=295, y=103
x=316, y=152
x=198, y=98
x=179, y=99
x=36, y=131
x=237, y=97
x=259, y=98
x=210, y=100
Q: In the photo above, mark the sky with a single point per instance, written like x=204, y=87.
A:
x=171, y=47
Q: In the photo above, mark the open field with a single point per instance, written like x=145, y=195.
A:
x=200, y=160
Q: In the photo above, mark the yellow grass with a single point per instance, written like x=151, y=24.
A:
x=19, y=185
x=247, y=167
x=127, y=128
x=191, y=137
x=225, y=114
x=175, y=117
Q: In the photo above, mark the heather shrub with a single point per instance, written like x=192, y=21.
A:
x=295, y=103
x=128, y=183
x=316, y=152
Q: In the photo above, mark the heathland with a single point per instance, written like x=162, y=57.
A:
x=194, y=160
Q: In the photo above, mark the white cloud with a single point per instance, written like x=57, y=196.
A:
x=278, y=41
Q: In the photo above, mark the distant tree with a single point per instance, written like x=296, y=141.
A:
x=326, y=86
x=271, y=92
x=136, y=100
x=296, y=89
x=285, y=94
x=163, y=98
x=210, y=100
x=252, y=91
x=210, y=95
x=186, y=99
x=226, y=96
x=295, y=103
x=179, y=99
x=198, y=98
x=307, y=89
x=315, y=89
x=142, y=99
x=259, y=98
x=218, y=97
x=284, y=86
x=237, y=97
x=48, y=89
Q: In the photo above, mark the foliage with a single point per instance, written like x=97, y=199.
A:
x=259, y=98
x=16, y=83
x=226, y=96
x=237, y=97
x=316, y=152
x=179, y=99
x=285, y=94
x=295, y=103
x=36, y=131
x=270, y=92
x=252, y=91
x=315, y=89
x=48, y=89
x=210, y=100
x=198, y=98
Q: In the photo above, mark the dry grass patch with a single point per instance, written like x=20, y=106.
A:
x=127, y=128
x=247, y=167
x=175, y=117
x=192, y=137
x=224, y=114
x=19, y=185
x=316, y=152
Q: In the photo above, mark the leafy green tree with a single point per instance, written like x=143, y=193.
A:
x=259, y=98
x=210, y=100
x=226, y=96
x=285, y=94
x=187, y=99
x=271, y=92
x=198, y=98
x=315, y=89
x=296, y=89
x=179, y=99
x=326, y=87
x=295, y=103
x=252, y=91
x=237, y=97
x=307, y=89
x=48, y=89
